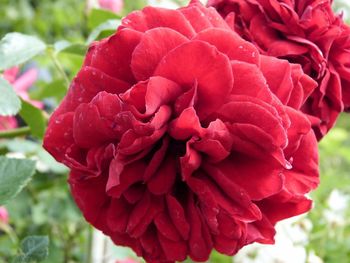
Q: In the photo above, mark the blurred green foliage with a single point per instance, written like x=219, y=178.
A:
x=330, y=237
x=50, y=20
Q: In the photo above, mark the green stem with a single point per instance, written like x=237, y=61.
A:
x=58, y=65
x=90, y=244
x=10, y=232
x=12, y=133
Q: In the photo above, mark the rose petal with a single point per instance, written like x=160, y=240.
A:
x=162, y=181
x=241, y=170
x=178, y=217
x=152, y=17
x=154, y=45
x=113, y=55
x=186, y=64
x=234, y=46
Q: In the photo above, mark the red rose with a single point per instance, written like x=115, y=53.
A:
x=181, y=138
x=306, y=32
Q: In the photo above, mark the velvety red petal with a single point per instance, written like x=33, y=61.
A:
x=235, y=47
x=186, y=125
x=186, y=64
x=240, y=198
x=199, y=249
x=216, y=142
x=113, y=55
x=91, y=124
x=126, y=240
x=166, y=228
x=250, y=81
x=261, y=231
x=190, y=162
x=117, y=215
x=156, y=160
x=284, y=48
x=262, y=34
x=162, y=181
x=94, y=206
x=225, y=245
x=299, y=127
x=202, y=18
x=212, y=15
x=241, y=170
x=144, y=136
x=278, y=76
x=150, y=243
x=160, y=91
x=231, y=228
x=178, y=217
x=303, y=87
x=154, y=45
x=59, y=135
x=156, y=206
x=245, y=110
x=173, y=250
x=284, y=205
x=304, y=176
x=139, y=212
x=153, y=17
x=88, y=83
x=120, y=180
x=196, y=17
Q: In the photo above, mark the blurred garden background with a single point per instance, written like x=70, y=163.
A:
x=42, y=223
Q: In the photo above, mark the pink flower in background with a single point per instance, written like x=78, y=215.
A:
x=22, y=83
x=113, y=5
x=127, y=261
x=7, y=123
x=4, y=215
x=21, y=86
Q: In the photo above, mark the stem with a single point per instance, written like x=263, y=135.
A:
x=105, y=250
x=12, y=133
x=58, y=66
x=10, y=232
x=90, y=244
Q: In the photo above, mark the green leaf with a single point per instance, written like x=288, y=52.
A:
x=70, y=48
x=17, y=48
x=35, y=119
x=99, y=16
x=108, y=27
x=34, y=249
x=10, y=104
x=14, y=175
x=130, y=6
x=55, y=89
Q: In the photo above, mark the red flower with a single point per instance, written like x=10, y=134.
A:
x=306, y=32
x=181, y=138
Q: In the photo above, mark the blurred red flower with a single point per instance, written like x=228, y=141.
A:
x=306, y=32
x=182, y=138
